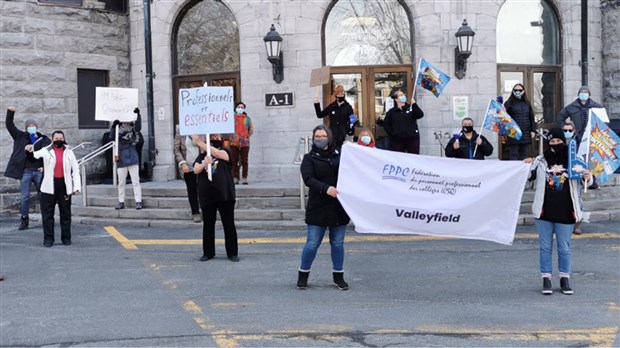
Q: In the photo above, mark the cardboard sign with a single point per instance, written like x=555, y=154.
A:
x=319, y=76
x=206, y=110
x=115, y=104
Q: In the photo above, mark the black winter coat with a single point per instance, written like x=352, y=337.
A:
x=523, y=115
x=20, y=159
x=338, y=119
x=467, y=147
x=574, y=110
x=402, y=124
x=319, y=169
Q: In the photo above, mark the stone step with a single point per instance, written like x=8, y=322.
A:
x=177, y=189
x=132, y=214
x=604, y=203
x=286, y=202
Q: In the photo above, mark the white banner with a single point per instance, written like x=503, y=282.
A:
x=113, y=103
x=396, y=193
x=206, y=110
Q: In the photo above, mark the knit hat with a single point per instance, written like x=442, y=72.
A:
x=583, y=88
x=556, y=133
x=31, y=122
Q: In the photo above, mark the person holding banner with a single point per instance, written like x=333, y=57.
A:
x=319, y=170
x=127, y=159
x=61, y=180
x=185, y=152
x=22, y=165
x=338, y=112
x=468, y=143
x=216, y=195
x=402, y=126
x=520, y=109
x=557, y=207
x=240, y=143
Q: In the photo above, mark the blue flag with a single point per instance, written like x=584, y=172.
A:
x=431, y=78
x=498, y=121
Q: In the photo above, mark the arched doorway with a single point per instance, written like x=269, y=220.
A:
x=368, y=46
x=205, y=48
x=529, y=51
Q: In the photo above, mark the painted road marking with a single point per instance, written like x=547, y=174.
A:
x=126, y=243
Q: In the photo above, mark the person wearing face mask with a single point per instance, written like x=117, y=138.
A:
x=569, y=131
x=185, y=153
x=468, y=143
x=519, y=108
x=216, y=195
x=128, y=160
x=22, y=165
x=401, y=124
x=337, y=112
x=366, y=139
x=61, y=180
x=556, y=208
x=319, y=170
x=240, y=144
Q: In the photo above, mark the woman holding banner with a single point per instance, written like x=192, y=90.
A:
x=402, y=126
x=319, y=170
x=557, y=207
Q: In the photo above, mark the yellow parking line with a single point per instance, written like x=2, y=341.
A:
x=126, y=243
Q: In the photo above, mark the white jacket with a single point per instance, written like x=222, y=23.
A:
x=71, y=170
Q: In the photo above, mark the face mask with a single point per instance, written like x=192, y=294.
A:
x=32, y=130
x=568, y=135
x=59, y=143
x=403, y=98
x=321, y=143
x=340, y=99
x=216, y=143
x=468, y=129
x=365, y=139
x=558, y=148
x=239, y=110
x=518, y=94
x=584, y=96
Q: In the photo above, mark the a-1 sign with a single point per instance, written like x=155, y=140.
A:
x=279, y=99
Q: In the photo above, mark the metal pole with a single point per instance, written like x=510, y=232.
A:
x=149, y=85
x=584, y=42
x=83, y=173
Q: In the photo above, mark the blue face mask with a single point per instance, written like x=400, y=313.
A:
x=568, y=135
x=32, y=130
x=239, y=110
x=584, y=96
x=365, y=139
x=321, y=143
x=403, y=98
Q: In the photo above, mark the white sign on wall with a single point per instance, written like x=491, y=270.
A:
x=206, y=110
x=460, y=107
x=113, y=103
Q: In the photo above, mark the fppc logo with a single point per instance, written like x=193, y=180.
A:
x=395, y=172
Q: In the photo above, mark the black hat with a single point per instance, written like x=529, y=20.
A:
x=556, y=133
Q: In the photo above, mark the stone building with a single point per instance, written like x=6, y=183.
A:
x=54, y=52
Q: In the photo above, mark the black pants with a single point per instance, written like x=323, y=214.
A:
x=227, y=213
x=48, y=204
x=192, y=191
x=408, y=146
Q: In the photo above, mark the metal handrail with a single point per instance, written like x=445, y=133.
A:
x=82, y=162
x=303, y=147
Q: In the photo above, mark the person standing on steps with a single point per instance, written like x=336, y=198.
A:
x=240, y=144
x=185, y=152
x=127, y=160
x=319, y=170
x=22, y=165
x=337, y=112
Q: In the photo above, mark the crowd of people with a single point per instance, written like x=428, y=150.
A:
x=211, y=170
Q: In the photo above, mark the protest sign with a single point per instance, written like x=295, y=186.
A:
x=206, y=110
x=113, y=103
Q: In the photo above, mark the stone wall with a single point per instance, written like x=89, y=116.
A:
x=42, y=47
x=611, y=56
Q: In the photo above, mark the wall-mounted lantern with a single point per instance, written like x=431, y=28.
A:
x=273, y=44
x=464, y=41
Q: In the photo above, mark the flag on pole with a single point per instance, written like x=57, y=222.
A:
x=498, y=121
x=431, y=78
x=600, y=147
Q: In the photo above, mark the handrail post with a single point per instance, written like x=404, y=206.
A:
x=83, y=173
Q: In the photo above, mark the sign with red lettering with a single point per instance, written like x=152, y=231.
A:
x=206, y=110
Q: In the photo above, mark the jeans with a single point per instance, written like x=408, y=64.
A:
x=563, y=235
x=315, y=237
x=28, y=178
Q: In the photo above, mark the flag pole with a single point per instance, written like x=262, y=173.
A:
x=415, y=83
x=589, y=131
x=486, y=114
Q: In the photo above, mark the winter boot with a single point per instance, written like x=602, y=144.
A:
x=24, y=224
x=339, y=281
x=566, y=290
x=546, y=290
x=302, y=280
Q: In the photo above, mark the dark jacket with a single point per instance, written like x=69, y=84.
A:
x=338, y=119
x=319, y=169
x=222, y=187
x=523, y=114
x=467, y=148
x=402, y=124
x=128, y=137
x=20, y=159
x=574, y=110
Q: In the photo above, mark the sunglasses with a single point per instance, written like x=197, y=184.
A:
x=568, y=130
x=517, y=90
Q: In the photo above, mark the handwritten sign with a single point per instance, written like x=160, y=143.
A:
x=205, y=110
x=115, y=104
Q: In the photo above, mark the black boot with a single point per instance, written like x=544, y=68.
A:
x=24, y=224
x=546, y=290
x=339, y=281
x=302, y=280
x=566, y=290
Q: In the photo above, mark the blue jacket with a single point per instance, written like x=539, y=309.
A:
x=128, y=138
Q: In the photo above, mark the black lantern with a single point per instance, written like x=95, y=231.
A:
x=273, y=44
x=464, y=41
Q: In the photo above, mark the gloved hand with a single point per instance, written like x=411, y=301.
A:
x=115, y=123
x=136, y=111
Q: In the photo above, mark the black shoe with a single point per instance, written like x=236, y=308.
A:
x=339, y=281
x=24, y=224
x=48, y=244
x=138, y=205
x=205, y=258
x=594, y=187
x=546, y=290
x=302, y=280
x=66, y=242
x=234, y=258
x=120, y=205
x=566, y=290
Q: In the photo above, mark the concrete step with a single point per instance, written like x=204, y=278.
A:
x=281, y=202
x=182, y=214
x=177, y=189
x=601, y=215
